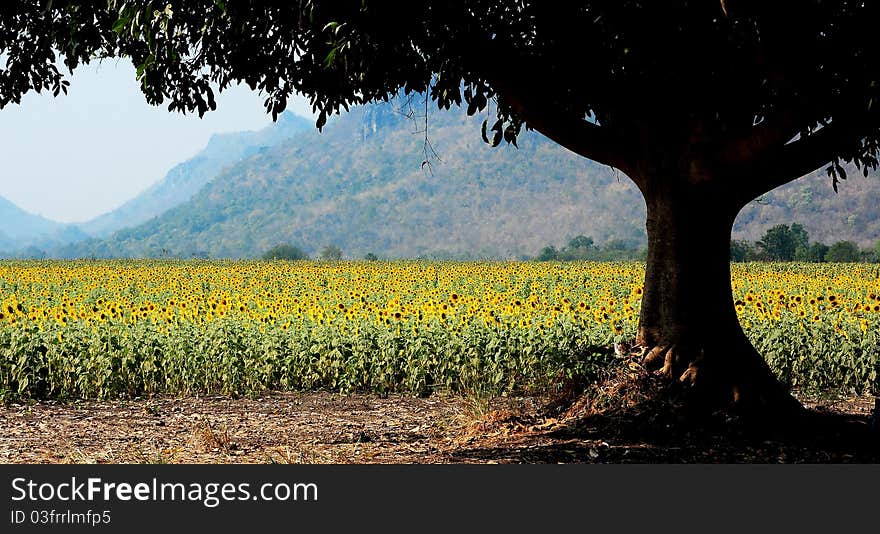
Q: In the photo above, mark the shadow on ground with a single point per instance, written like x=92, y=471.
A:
x=630, y=421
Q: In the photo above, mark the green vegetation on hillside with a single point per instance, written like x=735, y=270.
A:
x=187, y=178
x=362, y=186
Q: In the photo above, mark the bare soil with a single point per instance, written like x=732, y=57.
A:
x=621, y=427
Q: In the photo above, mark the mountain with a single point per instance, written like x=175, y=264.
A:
x=851, y=214
x=6, y=244
x=18, y=225
x=28, y=235
x=184, y=180
x=362, y=186
x=373, y=182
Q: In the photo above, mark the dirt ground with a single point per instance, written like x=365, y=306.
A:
x=334, y=428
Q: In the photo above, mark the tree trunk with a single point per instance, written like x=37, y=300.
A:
x=688, y=328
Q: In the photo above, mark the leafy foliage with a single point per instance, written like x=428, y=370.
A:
x=741, y=251
x=815, y=253
x=745, y=89
x=285, y=252
x=360, y=186
x=781, y=242
x=784, y=243
x=710, y=102
x=843, y=251
x=582, y=248
x=331, y=253
x=548, y=253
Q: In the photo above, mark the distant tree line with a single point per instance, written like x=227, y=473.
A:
x=792, y=243
x=290, y=252
x=583, y=248
x=285, y=252
x=780, y=243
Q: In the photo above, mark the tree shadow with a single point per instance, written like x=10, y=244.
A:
x=639, y=422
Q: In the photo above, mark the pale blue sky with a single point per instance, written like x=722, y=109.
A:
x=74, y=157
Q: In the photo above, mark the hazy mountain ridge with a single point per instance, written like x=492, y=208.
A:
x=361, y=185
x=26, y=234
x=19, y=225
x=185, y=179
x=6, y=244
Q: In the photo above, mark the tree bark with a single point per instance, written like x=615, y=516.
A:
x=688, y=328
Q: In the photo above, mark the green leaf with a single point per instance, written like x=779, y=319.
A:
x=120, y=24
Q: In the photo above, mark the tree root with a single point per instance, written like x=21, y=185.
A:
x=733, y=377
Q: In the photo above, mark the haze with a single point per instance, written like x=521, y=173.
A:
x=74, y=157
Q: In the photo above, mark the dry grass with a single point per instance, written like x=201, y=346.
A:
x=214, y=437
x=618, y=420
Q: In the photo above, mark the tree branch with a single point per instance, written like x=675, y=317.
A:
x=796, y=159
x=575, y=134
x=528, y=88
x=772, y=132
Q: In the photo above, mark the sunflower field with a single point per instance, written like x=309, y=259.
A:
x=110, y=329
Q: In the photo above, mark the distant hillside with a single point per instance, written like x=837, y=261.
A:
x=26, y=234
x=361, y=186
x=6, y=244
x=18, y=225
x=851, y=214
x=184, y=180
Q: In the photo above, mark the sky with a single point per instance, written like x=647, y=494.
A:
x=77, y=156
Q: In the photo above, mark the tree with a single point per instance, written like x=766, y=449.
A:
x=371, y=257
x=619, y=250
x=779, y=243
x=843, y=252
x=801, y=239
x=741, y=251
x=285, y=252
x=548, y=253
x=582, y=242
x=578, y=248
x=331, y=253
x=704, y=105
x=815, y=253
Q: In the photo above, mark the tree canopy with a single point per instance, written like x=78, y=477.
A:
x=783, y=242
x=331, y=253
x=843, y=251
x=285, y=252
x=732, y=81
